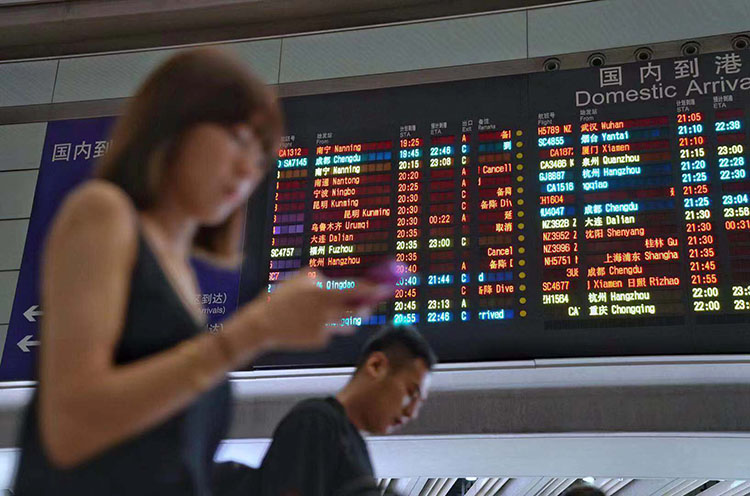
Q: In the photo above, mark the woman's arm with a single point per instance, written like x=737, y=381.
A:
x=87, y=402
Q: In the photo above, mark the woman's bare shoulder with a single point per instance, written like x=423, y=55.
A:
x=100, y=195
x=99, y=209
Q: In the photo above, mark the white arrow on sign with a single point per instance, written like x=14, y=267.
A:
x=26, y=342
x=32, y=313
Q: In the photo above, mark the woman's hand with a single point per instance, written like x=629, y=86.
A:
x=300, y=314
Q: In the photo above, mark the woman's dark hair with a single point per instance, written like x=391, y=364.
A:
x=193, y=87
x=400, y=344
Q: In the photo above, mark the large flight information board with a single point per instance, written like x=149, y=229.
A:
x=591, y=212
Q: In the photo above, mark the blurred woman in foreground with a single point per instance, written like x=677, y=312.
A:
x=132, y=396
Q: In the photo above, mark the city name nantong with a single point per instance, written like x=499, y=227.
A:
x=659, y=91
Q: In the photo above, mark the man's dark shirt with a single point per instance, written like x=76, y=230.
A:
x=317, y=451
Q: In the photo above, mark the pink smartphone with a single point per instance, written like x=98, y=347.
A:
x=387, y=272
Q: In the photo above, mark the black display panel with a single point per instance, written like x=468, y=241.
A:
x=593, y=212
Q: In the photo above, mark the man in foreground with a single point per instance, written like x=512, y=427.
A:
x=317, y=449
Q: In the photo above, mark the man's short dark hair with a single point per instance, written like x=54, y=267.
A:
x=400, y=344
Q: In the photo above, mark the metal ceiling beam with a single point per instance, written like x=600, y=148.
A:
x=383, y=484
x=442, y=488
x=492, y=487
x=524, y=486
x=479, y=485
x=422, y=486
x=429, y=485
x=435, y=487
x=727, y=488
x=616, y=485
x=604, y=483
x=681, y=487
x=48, y=29
x=610, y=486
x=546, y=486
x=418, y=486
x=557, y=486
x=405, y=486
x=498, y=486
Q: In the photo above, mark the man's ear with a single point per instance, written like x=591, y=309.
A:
x=377, y=365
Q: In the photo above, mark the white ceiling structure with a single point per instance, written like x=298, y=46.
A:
x=554, y=486
x=672, y=457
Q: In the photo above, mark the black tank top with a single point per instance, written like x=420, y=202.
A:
x=172, y=458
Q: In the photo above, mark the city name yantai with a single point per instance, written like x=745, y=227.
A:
x=658, y=92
